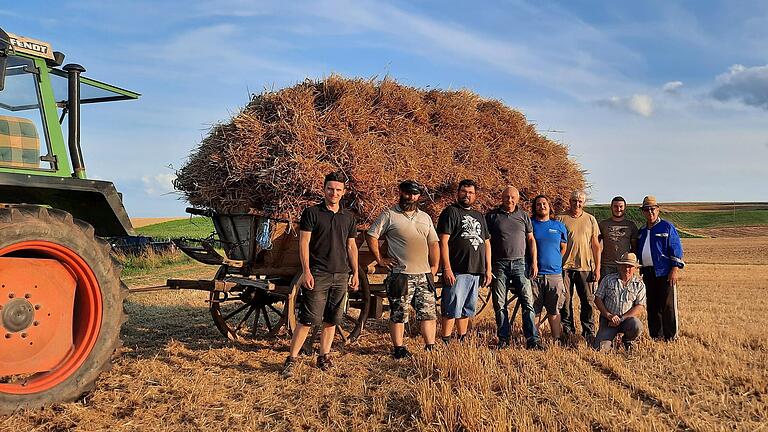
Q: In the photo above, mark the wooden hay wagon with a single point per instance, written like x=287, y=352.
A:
x=255, y=292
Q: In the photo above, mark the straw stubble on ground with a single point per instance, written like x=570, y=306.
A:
x=177, y=373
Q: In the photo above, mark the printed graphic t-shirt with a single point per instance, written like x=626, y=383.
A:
x=616, y=238
x=549, y=236
x=466, y=244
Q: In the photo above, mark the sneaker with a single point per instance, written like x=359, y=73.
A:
x=535, y=346
x=288, y=367
x=503, y=343
x=628, y=345
x=446, y=339
x=462, y=337
x=324, y=362
x=401, y=352
x=429, y=347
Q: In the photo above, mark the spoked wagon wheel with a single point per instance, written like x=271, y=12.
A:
x=250, y=312
x=61, y=307
x=484, y=300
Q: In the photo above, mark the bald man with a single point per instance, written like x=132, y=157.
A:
x=511, y=239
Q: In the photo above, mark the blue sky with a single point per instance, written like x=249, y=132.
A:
x=657, y=97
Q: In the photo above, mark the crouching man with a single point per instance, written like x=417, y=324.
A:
x=620, y=298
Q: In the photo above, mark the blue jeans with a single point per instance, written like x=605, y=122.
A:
x=508, y=274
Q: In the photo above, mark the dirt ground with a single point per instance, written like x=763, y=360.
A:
x=177, y=373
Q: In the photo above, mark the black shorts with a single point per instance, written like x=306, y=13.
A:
x=324, y=303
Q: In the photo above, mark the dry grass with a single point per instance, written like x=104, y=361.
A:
x=176, y=372
x=272, y=156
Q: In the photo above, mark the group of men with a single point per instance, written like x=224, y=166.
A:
x=541, y=258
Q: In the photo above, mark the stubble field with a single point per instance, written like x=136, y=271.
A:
x=177, y=373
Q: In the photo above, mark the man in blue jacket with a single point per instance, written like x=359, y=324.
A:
x=661, y=257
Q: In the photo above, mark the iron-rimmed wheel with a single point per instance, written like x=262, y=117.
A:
x=37, y=234
x=248, y=312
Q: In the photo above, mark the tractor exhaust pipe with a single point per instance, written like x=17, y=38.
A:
x=73, y=125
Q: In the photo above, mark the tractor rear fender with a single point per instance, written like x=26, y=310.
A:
x=94, y=201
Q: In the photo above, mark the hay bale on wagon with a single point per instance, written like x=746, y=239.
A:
x=272, y=156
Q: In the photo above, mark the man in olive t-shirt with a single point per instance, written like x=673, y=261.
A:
x=581, y=266
x=619, y=236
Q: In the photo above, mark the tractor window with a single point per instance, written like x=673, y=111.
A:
x=23, y=136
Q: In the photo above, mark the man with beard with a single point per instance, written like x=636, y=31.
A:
x=619, y=236
x=465, y=253
x=551, y=239
x=661, y=256
x=328, y=255
x=412, y=256
x=511, y=231
x=581, y=265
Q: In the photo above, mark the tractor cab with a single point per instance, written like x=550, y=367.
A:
x=41, y=161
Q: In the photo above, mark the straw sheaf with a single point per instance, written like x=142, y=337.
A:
x=272, y=156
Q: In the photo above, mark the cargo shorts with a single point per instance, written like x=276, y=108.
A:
x=549, y=293
x=417, y=290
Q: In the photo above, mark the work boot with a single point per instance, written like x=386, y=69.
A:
x=628, y=345
x=401, y=352
x=288, y=367
x=446, y=339
x=462, y=337
x=324, y=362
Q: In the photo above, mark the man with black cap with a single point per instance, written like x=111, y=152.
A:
x=661, y=257
x=620, y=298
x=412, y=256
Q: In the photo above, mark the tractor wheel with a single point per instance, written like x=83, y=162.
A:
x=52, y=263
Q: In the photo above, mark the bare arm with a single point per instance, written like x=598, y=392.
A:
x=634, y=311
x=596, y=254
x=563, y=248
x=434, y=257
x=352, y=258
x=306, y=277
x=534, y=255
x=448, y=275
x=373, y=246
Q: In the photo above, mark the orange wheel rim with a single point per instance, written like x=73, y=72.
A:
x=87, y=315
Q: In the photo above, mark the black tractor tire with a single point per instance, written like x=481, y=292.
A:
x=29, y=223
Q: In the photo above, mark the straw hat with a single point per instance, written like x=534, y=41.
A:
x=628, y=258
x=649, y=201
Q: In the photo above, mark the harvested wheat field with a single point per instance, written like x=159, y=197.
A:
x=176, y=372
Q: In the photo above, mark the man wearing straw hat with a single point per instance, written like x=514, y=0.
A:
x=620, y=298
x=413, y=257
x=328, y=254
x=661, y=257
x=581, y=266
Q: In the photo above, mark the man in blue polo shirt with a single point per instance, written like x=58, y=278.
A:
x=551, y=240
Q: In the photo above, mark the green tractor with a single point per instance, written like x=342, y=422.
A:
x=61, y=298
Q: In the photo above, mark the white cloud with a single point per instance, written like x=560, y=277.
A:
x=158, y=184
x=639, y=104
x=560, y=51
x=746, y=84
x=672, y=86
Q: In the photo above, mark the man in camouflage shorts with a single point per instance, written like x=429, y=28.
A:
x=412, y=256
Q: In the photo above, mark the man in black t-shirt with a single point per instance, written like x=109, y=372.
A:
x=328, y=254
x=465, y=253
